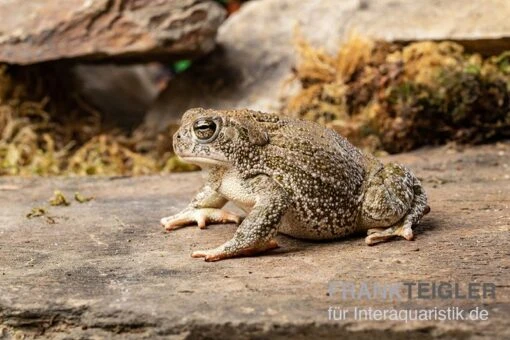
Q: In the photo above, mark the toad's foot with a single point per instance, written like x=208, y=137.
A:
x=225, y=252
x=202, y=217
x=377, y=235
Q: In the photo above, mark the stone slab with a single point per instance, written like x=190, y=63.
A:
x=106, y=269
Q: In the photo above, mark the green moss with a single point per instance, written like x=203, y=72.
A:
x=503, y=62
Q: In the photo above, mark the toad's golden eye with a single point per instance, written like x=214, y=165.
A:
x=206, y=129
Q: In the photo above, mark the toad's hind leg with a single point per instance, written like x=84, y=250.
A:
x=378, y=235
x=393, y=203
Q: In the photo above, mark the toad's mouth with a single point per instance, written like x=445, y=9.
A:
x=202, y=160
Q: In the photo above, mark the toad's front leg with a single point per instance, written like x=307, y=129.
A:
x=204, y=209
x=256, y=232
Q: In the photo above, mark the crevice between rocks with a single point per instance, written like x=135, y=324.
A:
x=78, y=321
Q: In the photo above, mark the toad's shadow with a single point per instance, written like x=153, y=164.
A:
x=291, y=244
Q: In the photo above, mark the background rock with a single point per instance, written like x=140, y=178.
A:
x=257, y=51
x=42, y=30
x=122, y=93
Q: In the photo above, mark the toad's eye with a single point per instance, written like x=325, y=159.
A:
x=206, y=129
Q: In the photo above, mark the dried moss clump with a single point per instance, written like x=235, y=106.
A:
x=392, y=97
x=59, y=199
x=47, y=129
x=78, y=197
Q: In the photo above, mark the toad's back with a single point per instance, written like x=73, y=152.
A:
x=322, y=172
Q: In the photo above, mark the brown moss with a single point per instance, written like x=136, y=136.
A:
x=36, y=212
x=59, y=199
x=78, y=197
x=47, y=129
x=394, y=97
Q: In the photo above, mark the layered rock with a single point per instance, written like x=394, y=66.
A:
x=44, y=30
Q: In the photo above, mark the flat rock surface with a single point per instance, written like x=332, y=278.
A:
x=105, y=268
x=42, y=30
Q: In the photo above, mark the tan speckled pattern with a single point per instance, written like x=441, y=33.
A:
x=295, y=177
